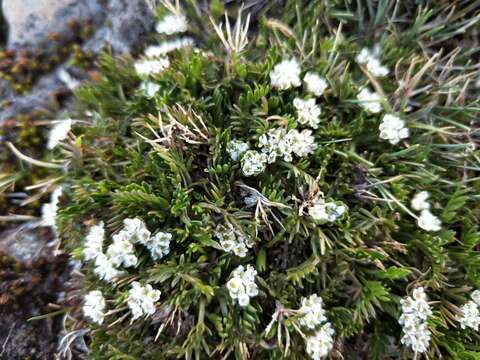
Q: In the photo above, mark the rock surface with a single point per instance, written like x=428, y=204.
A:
x=31, y=21
x=122, y=25
x=32, y=278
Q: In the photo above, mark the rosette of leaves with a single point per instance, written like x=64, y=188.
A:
x=164, y=159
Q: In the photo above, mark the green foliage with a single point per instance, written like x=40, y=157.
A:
x=164, y=160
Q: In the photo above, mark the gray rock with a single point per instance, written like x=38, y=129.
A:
x=120, y=23
x=25, y=243
x=40, y=99
x=123, y=25
x=31, y=21
x=126, y=26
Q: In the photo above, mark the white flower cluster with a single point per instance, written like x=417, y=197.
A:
x=105, y=269
x=286, y=74
x=49, y=210
x=58, y=133
x=321, y=343
x=275, y=143
x=427, y=221
x=253, y=163
x=135, y=231
x=242, y=285
x=312, y=311
x=372, y=62
x=236, y=149
x=149, y=88
x=315, y=84
x=308, y=112
x=470, y=314
x=415, y=312
x=94, y=242
x=172, y=24
x=94, y=306
x=370, y=101
x=141, y=299
x=159, y=244
x=324, y=212
x=121, y=252
x=393, y=129
x=233, y=240
x=168, y=46
x=146, y=67
x=279, y=142
x=419, y=201
x=470, y=317
x=312, y=316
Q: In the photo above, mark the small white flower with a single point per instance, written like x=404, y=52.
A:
x=94, y=242
x=228, y=245
x=94, y=306
x=271, y=142
x=277, y=142
x=146, y=67
x=363, y=56
x=470, y=317
x=172, y=24
x=326, y=212
x=285, y=74
x=243, y=299
x=419, y=201
x=168, y=46
x=234, y=286
x=415, y=312
x=105, y=269
x=321, y=343
x=136, y=231
x=308, y=112
x=429, y=222
x=251, y=289
x=253, y=163
x=58, y=133
x=417, y=337
x=236, y=149
x=476, y=297
x=232, y=240
x=370, y=101
x=159, y=245
x=318, y=212
x=241, y=286
x=49, y=210
x=393, y=129
x=302, y=143
x=372, y=62
x=121, y=251
x=150, y=89
x=313, y=312
x=315, y=84
x=376, y=68
x=141, y=299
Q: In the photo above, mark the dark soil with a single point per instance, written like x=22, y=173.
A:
x=30, y=285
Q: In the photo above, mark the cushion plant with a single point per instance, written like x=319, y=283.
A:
x=293, y=189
